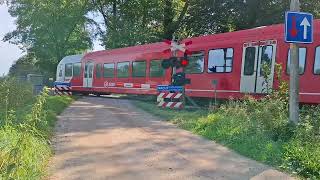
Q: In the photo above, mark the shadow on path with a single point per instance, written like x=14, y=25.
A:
x=101, y=138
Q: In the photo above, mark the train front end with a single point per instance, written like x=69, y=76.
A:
x=66, y=69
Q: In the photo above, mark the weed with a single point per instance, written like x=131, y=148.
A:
x=259, y=129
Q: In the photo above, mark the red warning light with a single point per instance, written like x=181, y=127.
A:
x=184, y=62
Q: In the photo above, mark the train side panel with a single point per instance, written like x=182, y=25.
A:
x=140, y=62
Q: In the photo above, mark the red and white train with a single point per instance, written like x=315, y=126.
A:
x=233, y=59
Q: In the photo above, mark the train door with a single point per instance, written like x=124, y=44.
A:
x=88, y=75
x=257, y=70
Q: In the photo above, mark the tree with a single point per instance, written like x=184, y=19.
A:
x=50, y=30
x=173, y=16
x=135, y=22
x=210, y=17
x=23, y=66
x=312, y=6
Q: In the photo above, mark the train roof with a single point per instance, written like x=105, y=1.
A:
x=146, y=48
x=71, y=59
x=255, y=34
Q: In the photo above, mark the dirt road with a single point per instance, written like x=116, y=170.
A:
x=103, y=138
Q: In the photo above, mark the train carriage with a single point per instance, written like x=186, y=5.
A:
x=233, y=59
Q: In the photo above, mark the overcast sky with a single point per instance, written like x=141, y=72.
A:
x=8, y=52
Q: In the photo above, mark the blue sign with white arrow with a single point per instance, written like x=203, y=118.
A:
x=299, y=27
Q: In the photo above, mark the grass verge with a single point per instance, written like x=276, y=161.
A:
x=257, y=129
x=25, y=137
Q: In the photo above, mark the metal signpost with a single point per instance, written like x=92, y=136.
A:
x=215, y=84
x=298, y=29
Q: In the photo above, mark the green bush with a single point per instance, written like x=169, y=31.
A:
x=16, y=99
x=22, y=155
x=302, y=152
x=303, y=158
x=14, y=94
x=259, y=129
x=242, y=126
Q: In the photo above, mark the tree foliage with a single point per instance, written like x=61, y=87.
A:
x=208, y=17
x=50, y=29
x=23, y=66
x=53, y=29
x=132, y=22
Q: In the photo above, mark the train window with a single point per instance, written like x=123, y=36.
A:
x=86, y=66
x=108, y=70
x=155, y=69
x=76, y=69
x=196, y=63
x=139, y=69
x=302, y=60
x=316, y=68
x=98, y=71
x=249, y=61
x=266, y=57
x=68, y=70
x=220, y=60
x=60, y=70
x=90, y=73
x=123, y=70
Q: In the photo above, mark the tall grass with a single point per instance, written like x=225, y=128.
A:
x=25, y=130
x=258, y=129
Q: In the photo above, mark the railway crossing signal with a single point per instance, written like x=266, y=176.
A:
x=166, y=64
x=175, y=62
x=179, y=79
x=184, y=61
x=174, y=46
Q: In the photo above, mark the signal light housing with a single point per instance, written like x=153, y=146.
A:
x=184, y=62
x=179, y=79
x=175, y=62
x=166, y=63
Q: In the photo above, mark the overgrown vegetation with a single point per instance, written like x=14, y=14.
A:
x=259, y=129
x=26, y=125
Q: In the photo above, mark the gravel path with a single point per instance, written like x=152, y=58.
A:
x=105, y=138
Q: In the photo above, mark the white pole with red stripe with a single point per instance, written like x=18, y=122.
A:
x=171, y=100
x=63, y=90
